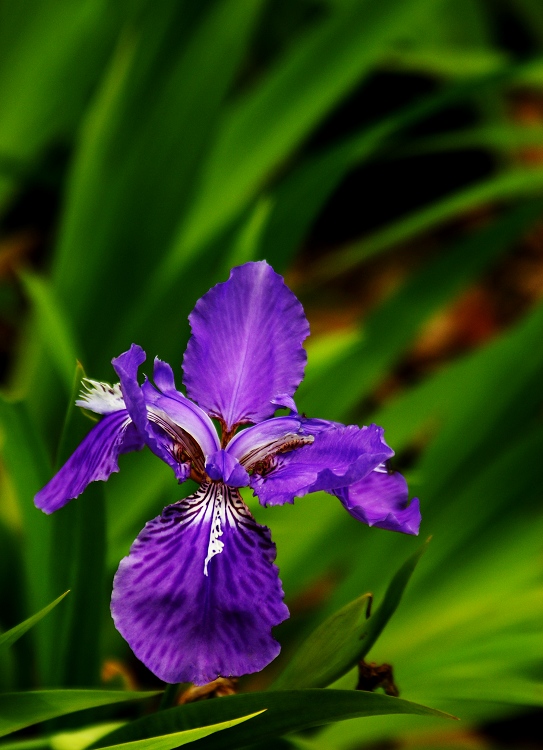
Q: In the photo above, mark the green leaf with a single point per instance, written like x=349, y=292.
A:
x=19, y=710
x=268, y=123
x=77, y=563
x=287, y=711
x=344, y=638
x=52, y=53
x=140, y=151
x=330, y=651
x=392, y=598
x=79, y=542
x=77, y=739
x=26, y=461
x=54, y=327
x=6, y=639
x=498, y=136
x=506, y=186
x=333, y=388
x=301, y=194
x=177, y=739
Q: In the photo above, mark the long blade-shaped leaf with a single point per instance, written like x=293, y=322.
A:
x=305, y=85
x=333, y=388
x=26, y=461
x=506, y=186
x=177, y=739
x=19, y=710
x=287, y=711
x=13, y=635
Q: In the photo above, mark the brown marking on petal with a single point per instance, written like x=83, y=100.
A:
x=265, y=464
x=263, y=467
x=184, y=448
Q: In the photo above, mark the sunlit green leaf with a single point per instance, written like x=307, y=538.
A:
x=177, y=739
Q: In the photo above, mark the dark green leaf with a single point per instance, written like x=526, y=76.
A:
x=287, y=711
x=28, y=467
x=330, y=651
x=268, y=123
x=344, y=638
x=52, y=53
x=18, y=710
x=506, y=186
x=334, y=387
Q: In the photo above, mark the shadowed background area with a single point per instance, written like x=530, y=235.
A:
x=387, y=158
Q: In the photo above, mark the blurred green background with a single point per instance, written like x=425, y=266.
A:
x=387, y=157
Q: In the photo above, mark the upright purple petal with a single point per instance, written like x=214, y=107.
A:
x=338, y=457
x=381, y=499
x=95, y=459
x=198, y=594
x=245, y=355
x=126, y=366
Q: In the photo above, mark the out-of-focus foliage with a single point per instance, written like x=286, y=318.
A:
x=147, y=148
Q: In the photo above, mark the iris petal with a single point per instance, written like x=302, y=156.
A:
x=245, y=356
x=381, y=499
x=95, y=459
x=265, y=439
x=198, y=594
x=126, y=366
x=223, y=467
x=179, y=410
x=338, y=457
x=184, y=433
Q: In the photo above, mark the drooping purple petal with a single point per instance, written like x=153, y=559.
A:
x=265, y=439
x=245, y=356
x=95, y=459
x=222, y=467
x=198, y=594
x=381, y=499
x=338, y=457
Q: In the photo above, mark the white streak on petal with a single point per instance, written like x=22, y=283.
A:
x=218, y=509
x=101, y=398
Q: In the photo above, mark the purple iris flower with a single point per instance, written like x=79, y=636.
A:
x=198, y=594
